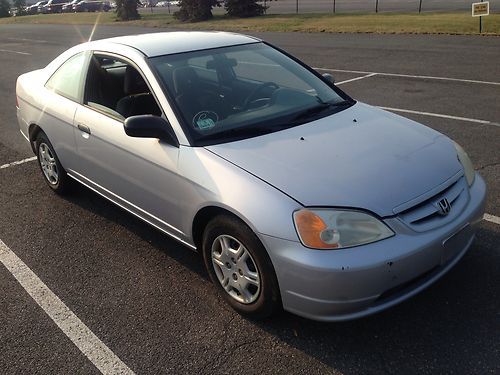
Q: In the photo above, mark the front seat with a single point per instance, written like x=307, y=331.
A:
x=139, y=100
x=187, y=91
x=99, y=86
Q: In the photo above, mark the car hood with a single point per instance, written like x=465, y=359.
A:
x=362, y=157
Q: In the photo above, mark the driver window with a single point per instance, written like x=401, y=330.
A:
x=117, y=89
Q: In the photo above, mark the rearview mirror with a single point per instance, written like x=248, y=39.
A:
x=149, y=126
x=328, y=77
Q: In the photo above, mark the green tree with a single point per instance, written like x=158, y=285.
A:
x=244, y=8
x=4, y=8
x=127, y=10
x=20, y=6
x=196, y=10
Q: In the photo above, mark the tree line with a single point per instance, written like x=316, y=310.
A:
x=200, y=10
x=18, y=5
x=196, y=10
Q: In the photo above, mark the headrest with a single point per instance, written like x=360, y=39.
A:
x=185, y=79
x=133, y=82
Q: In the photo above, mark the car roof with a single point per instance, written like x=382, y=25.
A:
x=166, y=43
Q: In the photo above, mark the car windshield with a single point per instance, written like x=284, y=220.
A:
x=237, y=92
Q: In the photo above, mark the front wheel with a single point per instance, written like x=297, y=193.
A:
x=240, y=268
x=54, y=174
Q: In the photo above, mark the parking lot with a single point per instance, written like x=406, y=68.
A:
x=138, y=301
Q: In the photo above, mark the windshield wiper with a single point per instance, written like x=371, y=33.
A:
x=256, y=130
x=316, y=110
x=249, y=131
x=244, y=132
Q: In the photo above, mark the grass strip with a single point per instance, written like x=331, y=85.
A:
x=384, y=23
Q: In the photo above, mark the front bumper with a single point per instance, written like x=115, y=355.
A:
x=346, y=284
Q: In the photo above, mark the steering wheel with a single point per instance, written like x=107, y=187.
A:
x=254, y=95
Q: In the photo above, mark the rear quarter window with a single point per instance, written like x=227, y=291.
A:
x=68, y=78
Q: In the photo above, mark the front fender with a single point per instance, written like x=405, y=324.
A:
x=218, y=183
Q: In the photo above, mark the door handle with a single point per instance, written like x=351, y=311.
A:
x=84, y=128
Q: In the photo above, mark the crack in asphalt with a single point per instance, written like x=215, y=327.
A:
x=226, y=352
x=220, y=352
x=232, y=351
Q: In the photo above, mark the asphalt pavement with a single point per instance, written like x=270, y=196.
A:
x=149, y=299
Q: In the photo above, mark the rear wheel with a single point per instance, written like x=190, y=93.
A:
x=240, y=267
x=54, y=174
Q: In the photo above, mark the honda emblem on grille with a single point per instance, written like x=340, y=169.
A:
x=444, y=207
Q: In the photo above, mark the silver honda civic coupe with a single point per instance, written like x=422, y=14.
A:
x=296, y=195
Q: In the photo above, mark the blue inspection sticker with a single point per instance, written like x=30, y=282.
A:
x=205, y=120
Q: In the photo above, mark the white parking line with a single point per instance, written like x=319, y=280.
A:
x=370, y=74
x=484, y=122
x=28, y=40
x=17, y=162
x=492, y=218
x=355, y=79
x=18, y=52
x=410, y=76
x=89, y=344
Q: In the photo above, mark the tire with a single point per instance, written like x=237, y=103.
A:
x=244, y=278
x=52, y=171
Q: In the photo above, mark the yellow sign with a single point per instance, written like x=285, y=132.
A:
x=481, y=9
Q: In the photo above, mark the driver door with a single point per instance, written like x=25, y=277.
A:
x=138, y=174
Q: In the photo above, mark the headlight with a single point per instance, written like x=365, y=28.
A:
x=464, y=159
x=337, y=229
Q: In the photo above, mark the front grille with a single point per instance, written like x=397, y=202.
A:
x=426, y=215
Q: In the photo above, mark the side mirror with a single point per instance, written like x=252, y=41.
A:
x=328, y=77
x=149, y=126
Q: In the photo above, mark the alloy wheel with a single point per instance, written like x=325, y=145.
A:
x=48, y=164
x=235, y=269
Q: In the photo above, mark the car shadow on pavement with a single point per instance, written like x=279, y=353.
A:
x=450, y=327
x=90, y=201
